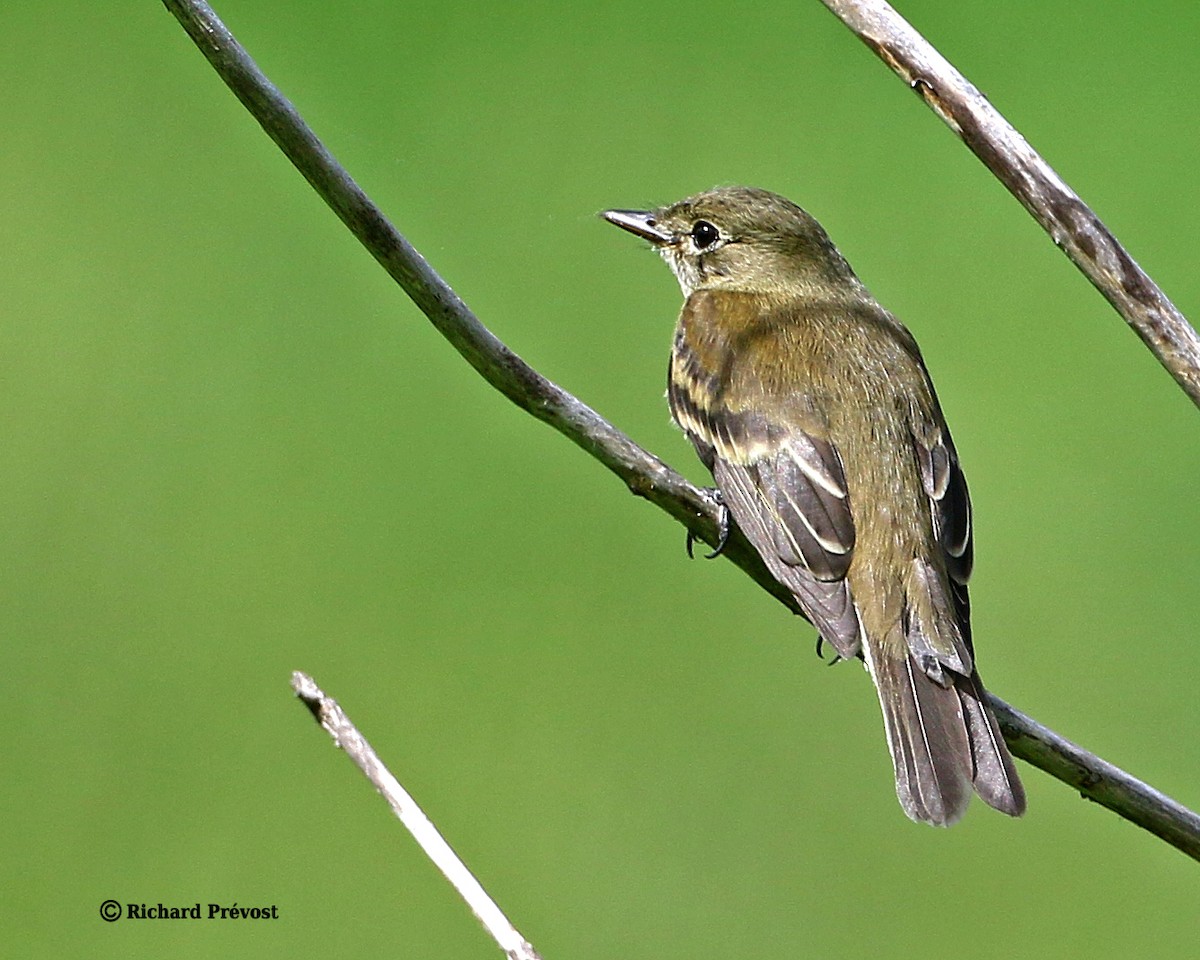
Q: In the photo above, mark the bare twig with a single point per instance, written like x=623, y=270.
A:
x=1070, y=222
x=644, y=474
x=345, y=734
x=1099, y=780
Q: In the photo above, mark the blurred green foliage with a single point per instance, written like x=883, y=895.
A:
x=232, y=448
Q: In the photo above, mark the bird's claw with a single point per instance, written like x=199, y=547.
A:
x=723, y=525
x=837, y=657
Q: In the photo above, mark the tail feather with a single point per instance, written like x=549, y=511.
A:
x=995, y=778
x=927, y=737
x=944, y=742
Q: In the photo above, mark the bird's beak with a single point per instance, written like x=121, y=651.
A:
x=640, y=223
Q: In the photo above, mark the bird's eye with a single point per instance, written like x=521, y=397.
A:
x=704, y=234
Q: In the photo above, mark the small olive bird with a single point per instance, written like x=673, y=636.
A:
x=812, y=407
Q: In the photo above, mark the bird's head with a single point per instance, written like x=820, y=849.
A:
x=740, y=238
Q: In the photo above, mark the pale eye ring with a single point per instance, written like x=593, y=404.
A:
x=704, y=234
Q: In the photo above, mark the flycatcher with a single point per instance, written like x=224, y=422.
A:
x=812, y=407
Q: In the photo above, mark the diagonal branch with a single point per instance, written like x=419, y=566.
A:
x=643, y=473
x=346, y=736
x=1069, y=221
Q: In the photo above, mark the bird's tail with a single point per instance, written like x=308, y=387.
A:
x=944, y=739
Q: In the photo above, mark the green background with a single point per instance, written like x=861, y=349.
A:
x=232, y=448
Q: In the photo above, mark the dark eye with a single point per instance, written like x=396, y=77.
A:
x=704, y=234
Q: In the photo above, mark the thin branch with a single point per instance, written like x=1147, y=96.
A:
x=1099, y=780
x=345, y=734
x=1070, y=222
x=644, y=474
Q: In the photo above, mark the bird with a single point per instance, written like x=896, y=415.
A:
x=813, y=409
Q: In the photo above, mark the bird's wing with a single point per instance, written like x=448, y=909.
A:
x=948, y=497
x=950, y=508
x=786, y=490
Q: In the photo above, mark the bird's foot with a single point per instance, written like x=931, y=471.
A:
x=723, y=524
